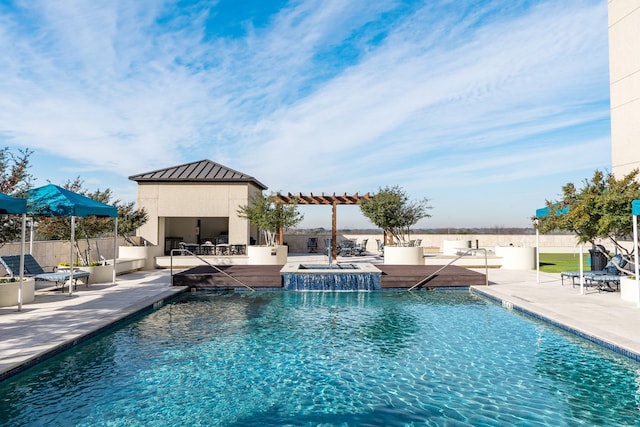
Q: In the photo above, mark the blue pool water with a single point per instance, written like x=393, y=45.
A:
x=330, y=359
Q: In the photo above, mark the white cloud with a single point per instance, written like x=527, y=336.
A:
x=327, y=96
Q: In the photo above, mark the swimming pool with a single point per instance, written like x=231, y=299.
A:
x=344, y=358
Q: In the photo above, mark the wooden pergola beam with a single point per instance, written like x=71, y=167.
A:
x=323, y=199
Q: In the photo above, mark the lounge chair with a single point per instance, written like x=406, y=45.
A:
x=604, y=282
x=604, y=277
x=11, y=263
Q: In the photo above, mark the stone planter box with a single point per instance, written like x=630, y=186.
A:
x=403, y=255
x=267, y=255
x=9, y=292
x=147, y=253
x=628, y=289
x=99, y=273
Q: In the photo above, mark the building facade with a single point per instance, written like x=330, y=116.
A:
x=196, y=203
x=624, y=75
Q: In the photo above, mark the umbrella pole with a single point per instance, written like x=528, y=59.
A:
x=24, y=224
x=635, y=258
x=73, y=236
x=581, y=269
x=115, y=249
x=537, y=254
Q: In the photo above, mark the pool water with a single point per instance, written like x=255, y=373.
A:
x=329, y=359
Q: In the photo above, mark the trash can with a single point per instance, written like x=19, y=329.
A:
x=598, y=259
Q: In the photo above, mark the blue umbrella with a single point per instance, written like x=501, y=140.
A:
x=52, y=200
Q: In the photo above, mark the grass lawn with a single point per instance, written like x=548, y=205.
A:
x=555, y=263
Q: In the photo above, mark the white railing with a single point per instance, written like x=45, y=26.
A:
x=188, y=252
x=460, y=255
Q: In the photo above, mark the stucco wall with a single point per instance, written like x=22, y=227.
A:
x=193, y=200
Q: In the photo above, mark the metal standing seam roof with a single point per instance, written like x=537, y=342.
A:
x=200, y=171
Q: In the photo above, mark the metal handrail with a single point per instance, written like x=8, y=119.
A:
x=486, y=268
x=209, y=264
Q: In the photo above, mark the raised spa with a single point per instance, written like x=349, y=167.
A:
x=330, y=277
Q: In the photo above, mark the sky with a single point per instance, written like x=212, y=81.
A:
x=486, y=108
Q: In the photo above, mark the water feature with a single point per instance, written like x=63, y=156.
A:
x=331, y=277
x=328, y=358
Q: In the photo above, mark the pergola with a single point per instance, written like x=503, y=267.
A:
x=333, y=200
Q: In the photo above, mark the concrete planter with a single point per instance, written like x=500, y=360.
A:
x=628, y=289
x=148, y=253
x=517, y=258
x=403, y=255
x=9, y=292
x=452, y=247
x=99, y=273
x=267, y=255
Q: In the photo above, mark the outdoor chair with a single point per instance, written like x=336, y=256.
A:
x=601, y=278
x=380, y=246
x=11, y=263
x=312, y=244
x=604, y=282
x=361, y=248
x=346, y=248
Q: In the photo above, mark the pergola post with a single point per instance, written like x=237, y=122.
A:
x=334, y=230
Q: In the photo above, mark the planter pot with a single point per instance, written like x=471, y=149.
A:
x=517, y=258
x=267, y=255
x=628, y=289
x=9, y=292
x=99, y=273
x=452, y=247
x=404, y=255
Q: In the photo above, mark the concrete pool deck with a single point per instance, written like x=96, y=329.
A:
x=56, y=321
x=601, y=317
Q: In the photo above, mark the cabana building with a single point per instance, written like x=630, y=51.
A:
x=196, y=203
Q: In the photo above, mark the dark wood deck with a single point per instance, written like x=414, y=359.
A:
x=268, y=276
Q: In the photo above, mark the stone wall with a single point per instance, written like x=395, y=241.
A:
x=49, y=253
x=549, y=243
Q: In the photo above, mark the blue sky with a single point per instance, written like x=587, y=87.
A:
x=486, y=108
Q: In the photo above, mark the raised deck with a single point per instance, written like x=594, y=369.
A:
x=268, y=276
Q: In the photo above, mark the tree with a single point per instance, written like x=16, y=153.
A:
x=15, y=180
x=129, y=220
x=91, y=227
x=601, y=209
x=392, y=211
x=270, y=216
